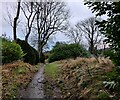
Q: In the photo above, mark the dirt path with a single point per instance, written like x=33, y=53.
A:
x=35, y=88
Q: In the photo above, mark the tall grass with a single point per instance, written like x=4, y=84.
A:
x=83, y=76
x=16, y=75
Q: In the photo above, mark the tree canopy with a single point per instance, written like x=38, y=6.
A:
x=110, y=27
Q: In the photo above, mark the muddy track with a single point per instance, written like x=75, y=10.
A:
x=35, y=88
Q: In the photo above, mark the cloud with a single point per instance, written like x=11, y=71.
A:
x=9, y=1
x=79, y=11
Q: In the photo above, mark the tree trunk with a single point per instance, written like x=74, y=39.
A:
x=40, y=50
x=91, y=47
x=15, y=21
x=26, y=37
x=14, y=30
x=41, y=55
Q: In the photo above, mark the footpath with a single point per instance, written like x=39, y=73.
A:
x=35, y=88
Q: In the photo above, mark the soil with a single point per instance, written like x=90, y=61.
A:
x=35, y=88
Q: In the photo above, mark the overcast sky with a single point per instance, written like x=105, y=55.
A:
x=78, y=12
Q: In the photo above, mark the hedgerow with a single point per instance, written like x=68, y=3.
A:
x=64, y=51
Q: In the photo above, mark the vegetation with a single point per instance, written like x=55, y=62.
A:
x=51, y=19
x=47, y=54
x=11, y=51
x=83, y=78
x=86, y=29
x=31, y=55
x=42, y=58
x=51, y=77
x=109, y=52
x=109, y=27
x=114, y=78
x=16, y=76
x=64, y=51
x=15, y=21
x=51, y=70
x=73, y=73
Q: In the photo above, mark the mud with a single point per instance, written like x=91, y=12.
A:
x=35, y=88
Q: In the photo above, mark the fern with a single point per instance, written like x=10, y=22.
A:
x=110, y=84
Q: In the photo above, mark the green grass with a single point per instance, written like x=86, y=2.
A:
x=51, y=75
x=51, y=70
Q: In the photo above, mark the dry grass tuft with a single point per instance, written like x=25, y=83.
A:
x=16, y=75
x=81, y=75
x=91, y=63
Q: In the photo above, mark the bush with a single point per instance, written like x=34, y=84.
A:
x=114, y=75
x=31, y=56
x=103, y=96
x=11, y=52
x=47, y=54
x=114, y=56
x=64, y=51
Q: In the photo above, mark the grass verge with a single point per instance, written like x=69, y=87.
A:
x=51, y=70
x=51, y=88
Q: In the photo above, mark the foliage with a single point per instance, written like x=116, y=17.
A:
x=16, y=76
x=31, y=56
x=47, y=54
x=11, y=51
x=82, y=78
x=103, y=96
x=4, y=39
x=116, y=57
x=109, y=27
x=51, y=87
x=112, y=54
x=110, y=85
x=64, y=51
x=113, y=80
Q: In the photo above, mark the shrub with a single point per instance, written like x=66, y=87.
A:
x=114, y=76
x=11, y=52
x=31, y=56
x=103, y=96
x=64, y=51
x=114, y=55
x=46, y=54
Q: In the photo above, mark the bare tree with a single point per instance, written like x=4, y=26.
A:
x=51, y=18
x=15, y=20
x=9, y=17
x=75, y=34
x=10, y=14
x=34, y=42
x=29, y=13
x=91, y=33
